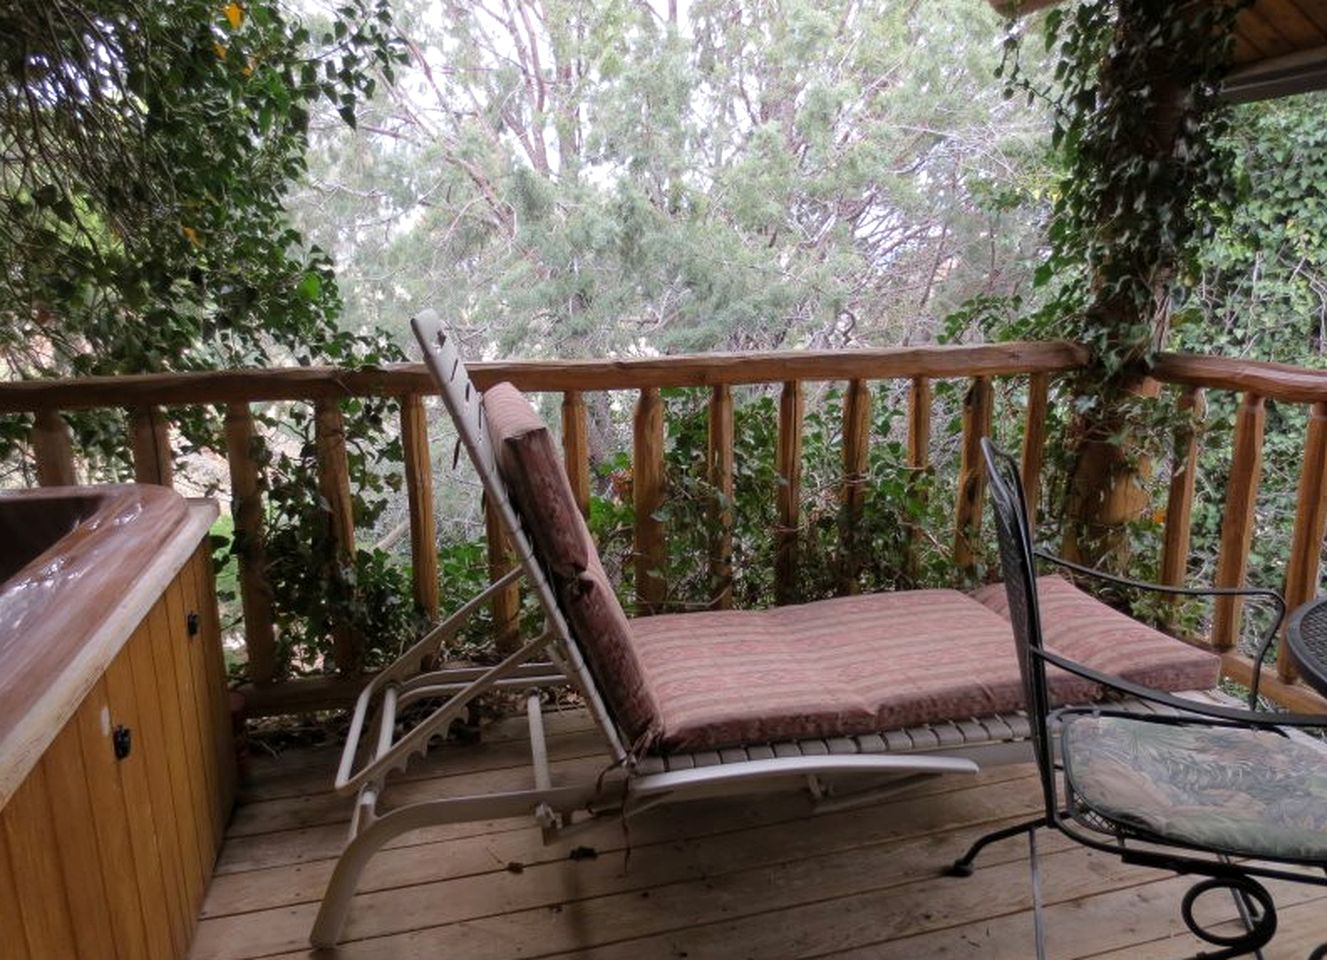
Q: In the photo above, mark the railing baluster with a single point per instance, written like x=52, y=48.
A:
x=919, y=458
x=1238, y=519
x=788, y=497
x=506, y=604
x=1183, y=478
x=852, y=495
x=1310, y=525
x=648, y=496
x=972, y=473
x=149, y=433
x=419, y=495
x=1034, y=441
x=53, y=449
x=576, y=448
x=334, y=485
x=720, y=477
x=246, y=509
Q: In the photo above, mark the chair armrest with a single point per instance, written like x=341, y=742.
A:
x=1258, y=718
x=1257, y=593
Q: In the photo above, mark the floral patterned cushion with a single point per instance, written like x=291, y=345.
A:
x=1249, y=793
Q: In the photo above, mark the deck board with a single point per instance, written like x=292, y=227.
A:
x=752, y=877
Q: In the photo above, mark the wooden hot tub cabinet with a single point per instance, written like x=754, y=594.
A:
x=117, y=777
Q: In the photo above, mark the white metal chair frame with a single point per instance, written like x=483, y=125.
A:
x=631, y=784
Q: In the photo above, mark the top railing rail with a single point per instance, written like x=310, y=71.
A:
x=1273, y=381
x=695, y=370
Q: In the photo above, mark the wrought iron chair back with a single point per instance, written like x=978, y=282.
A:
x=1072, y=814
x=1020, y=580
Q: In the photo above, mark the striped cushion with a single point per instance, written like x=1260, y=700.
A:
x=836, y=667
x=531, y=466
x=529, y=463
x=1082, y=628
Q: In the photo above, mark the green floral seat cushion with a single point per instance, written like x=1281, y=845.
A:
x=1230, y=789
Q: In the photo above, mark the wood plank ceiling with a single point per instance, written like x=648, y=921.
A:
x=1280, y=49
x=1280, y=46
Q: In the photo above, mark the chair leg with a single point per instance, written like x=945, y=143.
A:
x=1038, y=923
x=1250, y=913
x=963, y=866
x=1256, y=909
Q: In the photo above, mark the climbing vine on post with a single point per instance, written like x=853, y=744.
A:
x=1137, y=123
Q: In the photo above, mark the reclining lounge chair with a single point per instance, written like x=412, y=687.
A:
x=895, y=685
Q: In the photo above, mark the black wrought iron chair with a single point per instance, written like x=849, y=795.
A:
x=1222, y=793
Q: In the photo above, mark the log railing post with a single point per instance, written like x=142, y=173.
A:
x=419, y=496
x=334, y=485
x=576, y=448
x=1034, y=442
x=647, y=484
x=852, y=495
x=719, y=464
x=53, y=449
x=788, y=465
x=149, y=434
x=1238, y=520
x=1310, y=525
x=246, y=510
x=1183, y=478
x=918, y=461
x=919, y=458
x=506, y=604
x=972, y=473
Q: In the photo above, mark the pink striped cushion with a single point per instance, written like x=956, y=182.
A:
x=1082, y=628
x=531, y=466
x=528, y=461
x=836, y=667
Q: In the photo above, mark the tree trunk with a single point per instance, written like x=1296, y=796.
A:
x=1109, y=465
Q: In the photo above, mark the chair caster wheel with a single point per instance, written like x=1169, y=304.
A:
x=960, y=869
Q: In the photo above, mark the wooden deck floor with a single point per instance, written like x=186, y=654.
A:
x=733, y=879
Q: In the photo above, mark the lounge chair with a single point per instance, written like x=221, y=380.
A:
x=840, y=693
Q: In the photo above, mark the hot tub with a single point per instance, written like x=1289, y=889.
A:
x=116, y=760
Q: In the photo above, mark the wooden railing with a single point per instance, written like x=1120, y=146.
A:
x=1256, y=383
x=235, y=391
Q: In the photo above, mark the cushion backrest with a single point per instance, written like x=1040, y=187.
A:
x=530, y=465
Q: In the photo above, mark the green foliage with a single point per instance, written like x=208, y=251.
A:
x=1136, y=131
x=901, y=539
x=148, y=151
x=1259, y=283
x=811, y=174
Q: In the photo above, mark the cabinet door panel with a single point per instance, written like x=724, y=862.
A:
x=13, y=941
x=202, y=772
x=184, y=888
x=30, y=837
x=76, y=836
x=141, y=816
x=204, y=590
x=109, y=816
x=185, y=780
